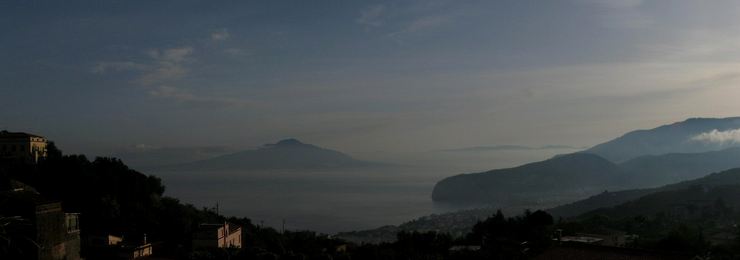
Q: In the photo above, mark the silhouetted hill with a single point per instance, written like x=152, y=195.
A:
x=557, y=173
x=648, y=158
x=285, y=154
x=568, y=175
x=680, y=137
x=678, y=203
x=611, y=199
x=656, y=170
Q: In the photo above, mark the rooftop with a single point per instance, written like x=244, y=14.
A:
x=7, y=134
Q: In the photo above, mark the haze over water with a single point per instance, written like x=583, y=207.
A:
x=336, y=201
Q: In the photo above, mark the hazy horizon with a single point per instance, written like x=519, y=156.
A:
x=365, y=78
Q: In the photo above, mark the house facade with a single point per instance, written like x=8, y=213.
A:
x=226, y=235
x=53, y=234
x=22, y=146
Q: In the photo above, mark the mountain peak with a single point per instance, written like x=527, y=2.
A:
x=289, y=141
x=285, y=154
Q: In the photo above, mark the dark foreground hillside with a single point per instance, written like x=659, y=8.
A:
x=609, y=199
x=698, y=219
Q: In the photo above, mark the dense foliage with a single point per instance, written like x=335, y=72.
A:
x=112, y=198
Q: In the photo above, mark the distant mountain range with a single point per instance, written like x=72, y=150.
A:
x=694, y=135
x=648, y=168
x=511, y=148
x=644, y=158
x=284, y=155
x=698, y=194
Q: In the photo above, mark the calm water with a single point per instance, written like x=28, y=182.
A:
x=323, y=201
x=328, y=201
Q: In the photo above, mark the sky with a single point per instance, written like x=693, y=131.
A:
x=364, y=77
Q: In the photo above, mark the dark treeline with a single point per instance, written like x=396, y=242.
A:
x=112, y=198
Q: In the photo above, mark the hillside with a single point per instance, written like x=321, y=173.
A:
x=565, y=176
x=693, y=135
x=459, y=222
x=611, y=199
x=684, y=201
x=285, y=154
x=697, y=218
x=685, y=150
x=656, y=170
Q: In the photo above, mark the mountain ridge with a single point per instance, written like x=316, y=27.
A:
x=670, y=138
x=534, y=177
x=285, y=154
x=641, y=170
x=610, y=199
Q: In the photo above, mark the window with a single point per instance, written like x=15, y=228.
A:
x=73, y=222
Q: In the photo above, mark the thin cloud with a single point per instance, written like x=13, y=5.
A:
x=237, y=52
x=173, y=55
x=186, y=97
x=371, y=16
x=220, y=35
x=427, y=22
x=620, y=4
x=622, y=13
x=430, y=20
x=167, y=65
x=163, y=66
x=105, y=67
x=423, y=23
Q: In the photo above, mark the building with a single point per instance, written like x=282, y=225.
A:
x=22, y=146
x=117, y=248
x=226, y=235
x=136, y=252
x=55, y=234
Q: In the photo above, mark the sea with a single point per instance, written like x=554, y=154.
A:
x=332, y=201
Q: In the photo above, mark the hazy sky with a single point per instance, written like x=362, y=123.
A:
x=362, y=76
